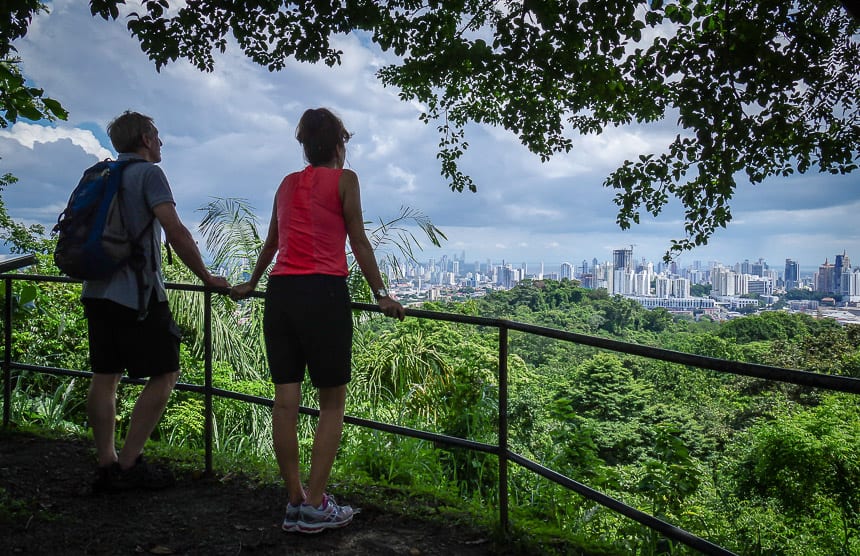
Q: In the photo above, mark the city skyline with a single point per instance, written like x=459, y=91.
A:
x=576, y=263
x=749, y=285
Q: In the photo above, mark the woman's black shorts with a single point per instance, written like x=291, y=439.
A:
x=118, y=341
x=307, y=322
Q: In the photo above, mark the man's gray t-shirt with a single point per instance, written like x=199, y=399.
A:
x=144, y=186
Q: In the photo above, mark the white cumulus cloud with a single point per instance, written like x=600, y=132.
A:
x=30, y=134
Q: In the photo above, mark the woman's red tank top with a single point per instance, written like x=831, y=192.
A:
x=311, y=228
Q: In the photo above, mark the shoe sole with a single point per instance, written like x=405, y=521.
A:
x=314, y=528
x=290, y=527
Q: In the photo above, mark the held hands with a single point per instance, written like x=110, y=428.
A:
x=241, y=291
x=392, y=308
x=217, y=282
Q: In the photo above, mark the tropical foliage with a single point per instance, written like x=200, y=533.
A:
x=17, y=98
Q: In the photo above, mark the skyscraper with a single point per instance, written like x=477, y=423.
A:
x=622, y=259
x=839, y=265
x=758, y=268
x=566, y=271
x=824, y=281
x=723, y=281
x=792, y=274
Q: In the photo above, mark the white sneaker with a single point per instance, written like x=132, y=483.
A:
x=328, y=516
x=291, y=519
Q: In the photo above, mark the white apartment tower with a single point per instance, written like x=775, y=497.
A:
x=566, y=271
x=722, y=281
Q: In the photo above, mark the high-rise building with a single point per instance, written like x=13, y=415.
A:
x=758, y=268
x=681, y=288
x=666, y=287
x=851, y=285
x=742, y=284
x=824, y=281
x=508, y=277
x=662, y=287
x=722, y=281
x=587, y=281
x=760, y=286
x=641, y=283
x=566, y=271
x=839, y=265
x=792, y=274
x=622, y=259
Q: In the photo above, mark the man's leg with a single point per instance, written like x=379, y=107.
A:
x=326, y=441
x=147, y=412
x=101, y=412
x=285, y=416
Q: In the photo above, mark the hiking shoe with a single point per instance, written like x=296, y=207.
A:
x=144, y=476
x=291, y=519
x=106, y=476
x=328, y=516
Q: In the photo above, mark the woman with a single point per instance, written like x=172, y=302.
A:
x=307, y=318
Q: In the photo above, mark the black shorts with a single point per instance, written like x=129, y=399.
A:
x=307, y=322
x=119, y=342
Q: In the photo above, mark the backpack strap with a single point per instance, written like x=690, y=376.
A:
x=137, y=260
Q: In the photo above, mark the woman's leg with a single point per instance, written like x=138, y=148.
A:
x=285, y=440
x=326, y=441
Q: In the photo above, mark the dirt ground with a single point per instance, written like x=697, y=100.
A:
x=46, y=508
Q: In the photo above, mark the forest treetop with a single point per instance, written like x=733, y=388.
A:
x=756, y=88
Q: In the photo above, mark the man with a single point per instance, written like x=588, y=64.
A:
x=124, y=338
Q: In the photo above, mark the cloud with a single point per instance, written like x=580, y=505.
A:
x=30, y=134
x=400, y=175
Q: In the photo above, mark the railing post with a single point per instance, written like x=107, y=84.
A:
x=503, y=428
x=207, y=380
x=7, y=355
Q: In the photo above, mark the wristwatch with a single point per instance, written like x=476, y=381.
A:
x=380, y=293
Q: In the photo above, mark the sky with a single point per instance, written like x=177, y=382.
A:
x=231, y=133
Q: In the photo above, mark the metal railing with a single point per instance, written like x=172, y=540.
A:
x=500, y=449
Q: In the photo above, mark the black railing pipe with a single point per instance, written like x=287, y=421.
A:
x=503, y=429
x=667, y=529
x=755, y=370
x=17, y=263
x=207, y=380
x=7, y=353
x=8, y=265
x=433, y=437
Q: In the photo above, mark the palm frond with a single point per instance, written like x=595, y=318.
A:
x=230, y=228
x=230, y=341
